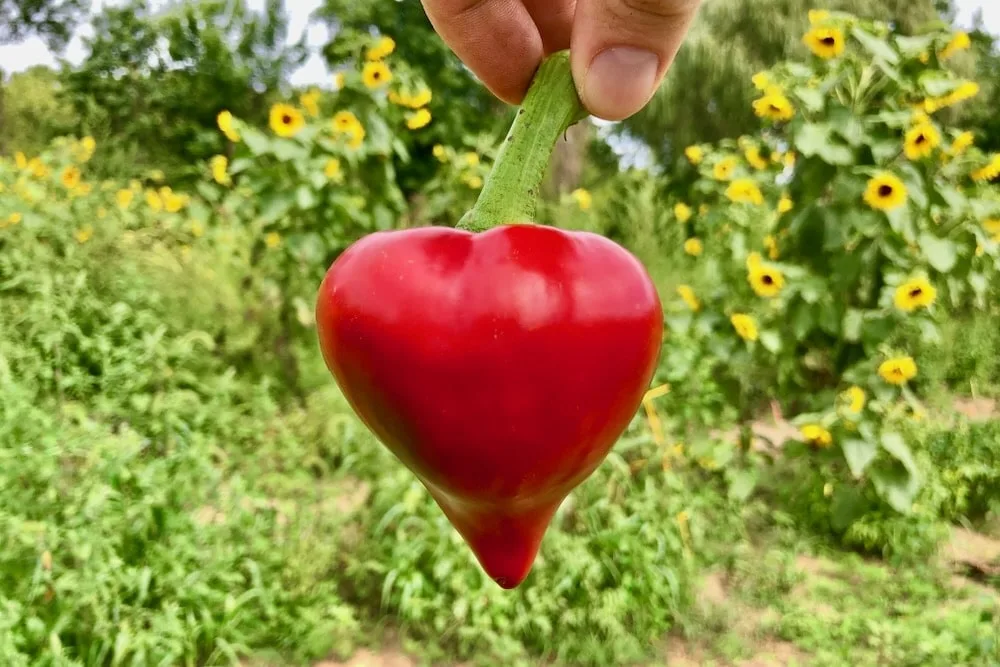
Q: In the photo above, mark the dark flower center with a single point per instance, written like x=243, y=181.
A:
x=884, y=190
x=286, y=119
x=921, y=139
x=767, y=279
x=377, y=75
x=828, y=41
x=916, y=292
x=775, y=109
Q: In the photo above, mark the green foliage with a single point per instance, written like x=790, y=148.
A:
x=51, y=20
x=32, y=111
x=168, y=75
x=707, y=95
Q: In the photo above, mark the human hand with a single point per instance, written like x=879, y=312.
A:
x=620, y=49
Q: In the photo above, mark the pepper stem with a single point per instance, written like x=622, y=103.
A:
x=510, y=193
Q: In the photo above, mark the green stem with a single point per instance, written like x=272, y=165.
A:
x=510, y=193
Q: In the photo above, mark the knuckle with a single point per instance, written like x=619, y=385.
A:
x=654, y=11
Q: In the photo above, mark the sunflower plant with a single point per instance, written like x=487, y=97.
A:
x=830, y=245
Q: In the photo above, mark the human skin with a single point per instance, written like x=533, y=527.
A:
x=620, y=49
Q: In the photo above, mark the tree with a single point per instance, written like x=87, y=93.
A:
x=52, y=20
x=707, y=95
x=157, y=82
x=33, y=113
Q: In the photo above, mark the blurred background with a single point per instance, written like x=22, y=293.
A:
x=813, y=478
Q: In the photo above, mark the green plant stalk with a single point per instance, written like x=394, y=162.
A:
x=510, y=193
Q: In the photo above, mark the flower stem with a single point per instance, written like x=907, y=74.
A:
x=510, y=193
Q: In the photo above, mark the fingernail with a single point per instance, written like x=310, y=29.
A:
x=620, y=81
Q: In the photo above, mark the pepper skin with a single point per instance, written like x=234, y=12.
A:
x=500, y=367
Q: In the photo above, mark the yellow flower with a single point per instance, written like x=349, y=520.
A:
x=920, y=141
x=472, y=159
x=818, y=16
x=898, y=370
x=816, y=435
x=753, y=157
x=418, y=119
x=12, y=219
x=197, y=229
x=84, y=234
x=753, y=260
x=745, y=325
x=825, y=42
x=761, y=81
x=225, y=123
x=693, y=247
x=913, y=294
x=992, y=227
x=440, y=153
x=332, y=170
x=724, y=168
x=583, y=199
x=86, y=149
x=959, y=42
x=346, y=123
x=285, y=120
x=744, y=191
x=172, y=202
x=81, y=190
x=988, y=172
x=682, y=212
x=124, y=198
x=774, y=106
x=376, y=75
x=70, y=177
x=220, y=170
x=966, y=90
x=790, y=159
x=855, y=399
x=272, y=240
x=766, y=281
x=381, y=49
x=153, y=201
x=694, y=154
x=310, y=102
x=20, y=161
x=885, y=192
x=924, y=57
x=962, y=142
x=338, y=80
x=703, y=209
x=475, y=182
x=772, y=247
x=688, y=296
x=785, y=204
x=416, y=101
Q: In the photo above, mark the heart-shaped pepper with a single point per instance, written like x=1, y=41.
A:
x=499, y=366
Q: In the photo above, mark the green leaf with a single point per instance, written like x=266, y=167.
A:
x=929, y=333
x=811, y=137
x=896, y=446
x=859, y=454
x=936, y=84
x=848, y=126
x=771, y=341
x=276, y=207
x=305, y=197
x=741, y=484
x=877, y=46
x=941, y=253
x=896, y=486
x=847, y=506
x=802, y=320
x=853, y=321
x=288, y=150
x=811, y=98
x=914, y=46
x=256, y=141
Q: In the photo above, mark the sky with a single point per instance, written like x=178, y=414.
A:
x=17, y=57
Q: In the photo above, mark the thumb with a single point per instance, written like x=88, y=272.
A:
x=622, y=48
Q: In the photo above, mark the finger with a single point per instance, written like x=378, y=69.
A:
x=554, y=19
x=621, y=50
x=496, y=39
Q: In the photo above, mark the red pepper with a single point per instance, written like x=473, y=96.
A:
x=499, y=366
